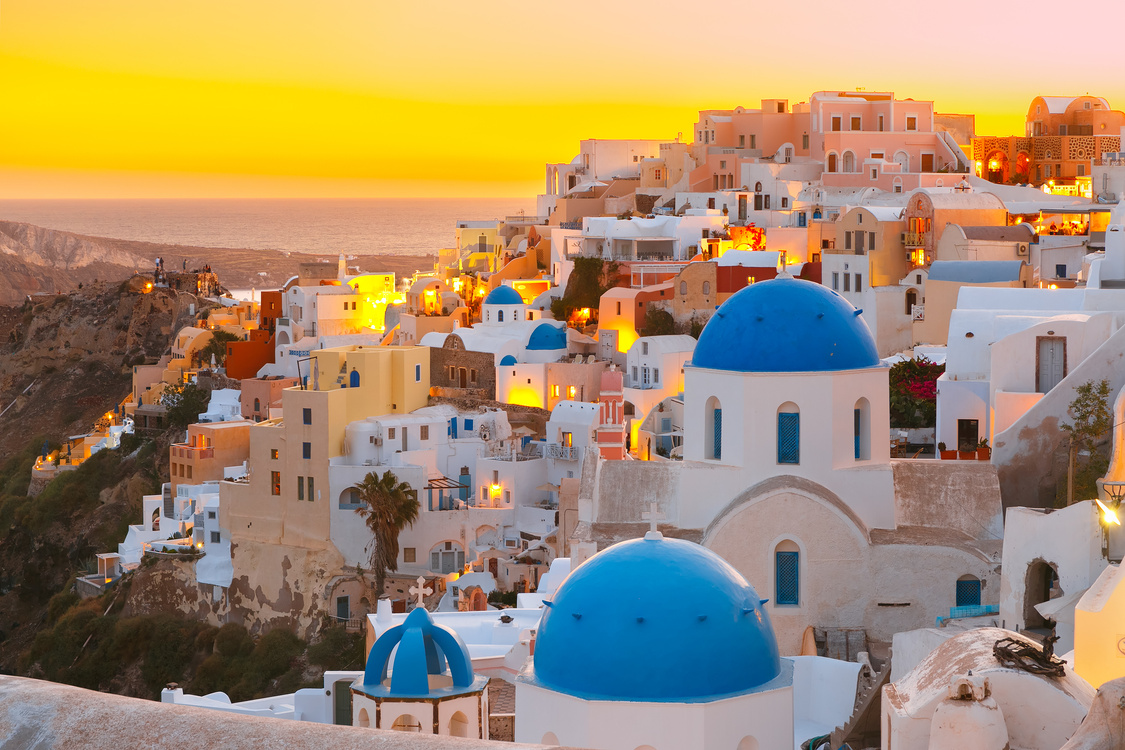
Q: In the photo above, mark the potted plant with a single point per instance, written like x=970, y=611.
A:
x=966, y=452
x=946, y=455
x=984, y=453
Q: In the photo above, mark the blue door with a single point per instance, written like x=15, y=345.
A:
x=353, y=379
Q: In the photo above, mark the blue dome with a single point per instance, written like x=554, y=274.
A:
x=508, y=360
x=546, y=337
x=431, y=660
x=786, y=325
x=655, y=620
x=503, y=295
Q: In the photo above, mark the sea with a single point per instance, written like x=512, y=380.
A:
x=370, y=226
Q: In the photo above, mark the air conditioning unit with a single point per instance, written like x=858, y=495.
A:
x=1022, y=250
x=376, y=441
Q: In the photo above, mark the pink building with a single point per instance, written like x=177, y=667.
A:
x=863, y=138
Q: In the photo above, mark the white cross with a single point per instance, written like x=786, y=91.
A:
x=420, y=591
x=652, y=516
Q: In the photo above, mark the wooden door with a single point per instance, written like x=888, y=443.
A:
x=1051, y=362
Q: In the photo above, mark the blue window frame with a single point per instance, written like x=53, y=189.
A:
x=417, y=373
x=717, y=454
x=857, y=432
x=968, y=593
x=306, y=450
x=788, y=438
x=787, y=589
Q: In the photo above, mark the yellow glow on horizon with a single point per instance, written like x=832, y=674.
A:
x=349, y=98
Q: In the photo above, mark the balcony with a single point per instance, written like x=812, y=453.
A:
x=564, y=452
x=914, y=239
x=182, y=450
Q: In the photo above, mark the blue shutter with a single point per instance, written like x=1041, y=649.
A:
x=789, y=438
x=453, y=428
x=788, y=583
x=718, y=452
x=968, y=593
x=353, y=379
x=468, y=425
x=857, y=456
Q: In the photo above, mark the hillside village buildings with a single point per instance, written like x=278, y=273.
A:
x=691, y=477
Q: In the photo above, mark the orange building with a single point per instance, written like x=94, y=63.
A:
x=210, y=447
x=1062, y=137
x=245, y=358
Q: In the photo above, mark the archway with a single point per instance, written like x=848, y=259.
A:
x=549, y=739
x=353, y=379
x=911, y=301
x=407, y=723
x=156, y=520
x=748, y=743
x=459, y=725
x=996, y=167
x=968, y=591
x=849, y=162
x=282, y=338
x=1041, y=580
x=713, y=432
x=364, y=720
x=861, y=429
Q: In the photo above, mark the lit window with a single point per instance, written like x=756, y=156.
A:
x=571, y=392
x=273, y=453
x=275, y=482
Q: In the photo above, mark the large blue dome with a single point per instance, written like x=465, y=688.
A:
x=786, y=325
x=503, y=295
x=655, y=620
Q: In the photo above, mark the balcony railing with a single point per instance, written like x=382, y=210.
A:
x=564, y=452
x=188, y=451
x=914, y=239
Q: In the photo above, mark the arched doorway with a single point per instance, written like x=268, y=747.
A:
x=1041, y=581
x=363, y=720
x=902, y=159
x=849, y=162
x=911, y=301
x=996, y=167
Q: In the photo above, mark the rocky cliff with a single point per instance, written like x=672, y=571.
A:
x=34, y=260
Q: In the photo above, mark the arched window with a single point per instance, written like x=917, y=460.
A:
x=364, y=718
x=788, y=434
x=757, y=187
x=353, y=379
x=747, y=743
x=911, y=301
x=706, y=287
x=787, y=574
x=499, y=316
x=407, y=723
x=831, y=162
x=257, y=404
x=968, y=591
x=683, y=287
x=861, y=429
x=713, y=433
x=459, y=725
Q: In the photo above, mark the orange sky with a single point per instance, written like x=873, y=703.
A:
x=210, y=98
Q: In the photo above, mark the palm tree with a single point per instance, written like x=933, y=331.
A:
x=389, y=506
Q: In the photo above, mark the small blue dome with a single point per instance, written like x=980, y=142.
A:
x=546, y=337
x=431, y=660
x=507, y=360
x=503, y=295
x=786, y=325
x=655, y=620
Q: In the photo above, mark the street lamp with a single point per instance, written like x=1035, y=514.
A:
x=1114, y=493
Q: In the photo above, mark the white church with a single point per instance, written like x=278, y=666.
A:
x=787, y=475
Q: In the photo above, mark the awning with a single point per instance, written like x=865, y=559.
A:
x=1052, y=608
x=445, y=483
x=548, y=487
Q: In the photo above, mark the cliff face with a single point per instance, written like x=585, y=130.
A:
x=35, y=260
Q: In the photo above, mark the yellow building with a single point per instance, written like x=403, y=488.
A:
x=285, y=499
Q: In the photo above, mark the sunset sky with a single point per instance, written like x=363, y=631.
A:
x=210, y=98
